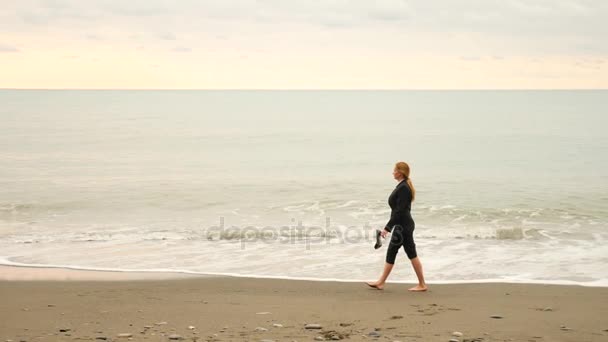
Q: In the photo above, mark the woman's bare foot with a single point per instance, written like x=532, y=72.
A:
x=419, y=288
x=376, y=286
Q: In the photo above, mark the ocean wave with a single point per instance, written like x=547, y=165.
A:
x=348, y=234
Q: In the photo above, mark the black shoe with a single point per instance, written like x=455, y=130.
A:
x=378, y=239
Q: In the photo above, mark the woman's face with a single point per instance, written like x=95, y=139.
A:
x=396, y=174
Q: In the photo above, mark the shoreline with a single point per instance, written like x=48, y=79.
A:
x=16, y=272
x=44, y=273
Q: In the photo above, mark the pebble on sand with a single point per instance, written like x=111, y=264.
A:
x=260, y=329
x=277, y=325
x=175, y=337
x=312, y=326
x=124, y=335
x=373, y=334
x=457, y=334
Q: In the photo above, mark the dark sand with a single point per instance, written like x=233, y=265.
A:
x=230, y=309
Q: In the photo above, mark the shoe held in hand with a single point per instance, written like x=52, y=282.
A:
x=378, y=239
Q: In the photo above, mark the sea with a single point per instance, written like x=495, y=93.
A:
x=511, y=185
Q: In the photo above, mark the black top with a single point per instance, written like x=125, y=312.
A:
x=400, y=202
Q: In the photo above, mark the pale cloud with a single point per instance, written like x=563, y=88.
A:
x=182, y=49
x=320, y=37
x=167, y=36
x=93, y=36
x=8, y=48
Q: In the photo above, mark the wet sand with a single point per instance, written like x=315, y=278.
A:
x=82, y=307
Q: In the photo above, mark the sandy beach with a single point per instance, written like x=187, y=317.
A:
x=194, y=308
x=242, y=170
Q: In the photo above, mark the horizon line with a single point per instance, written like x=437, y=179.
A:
x=308, y=89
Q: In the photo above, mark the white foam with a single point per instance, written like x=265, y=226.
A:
x=595, y=283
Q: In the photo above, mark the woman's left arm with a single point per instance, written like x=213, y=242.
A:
x=396, y=214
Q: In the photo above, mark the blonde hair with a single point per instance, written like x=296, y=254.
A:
x=404, y=169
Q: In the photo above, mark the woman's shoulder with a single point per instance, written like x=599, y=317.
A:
x=403, y=187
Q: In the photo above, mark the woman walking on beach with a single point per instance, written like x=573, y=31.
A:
x=402, y=226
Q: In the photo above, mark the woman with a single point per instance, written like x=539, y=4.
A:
x=402, y=226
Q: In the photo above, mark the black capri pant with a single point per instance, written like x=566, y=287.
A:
x=401, y=236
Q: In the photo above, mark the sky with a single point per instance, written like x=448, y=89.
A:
x=304, y=44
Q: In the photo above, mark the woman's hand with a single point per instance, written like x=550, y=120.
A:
x=384, y=233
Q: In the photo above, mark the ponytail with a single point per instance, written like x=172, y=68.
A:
x=404, y=169
x=412, y=189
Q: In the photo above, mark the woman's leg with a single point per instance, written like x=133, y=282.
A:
x=410, y=250
x=391, y=255
x=385, y=273
x=418, y=269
